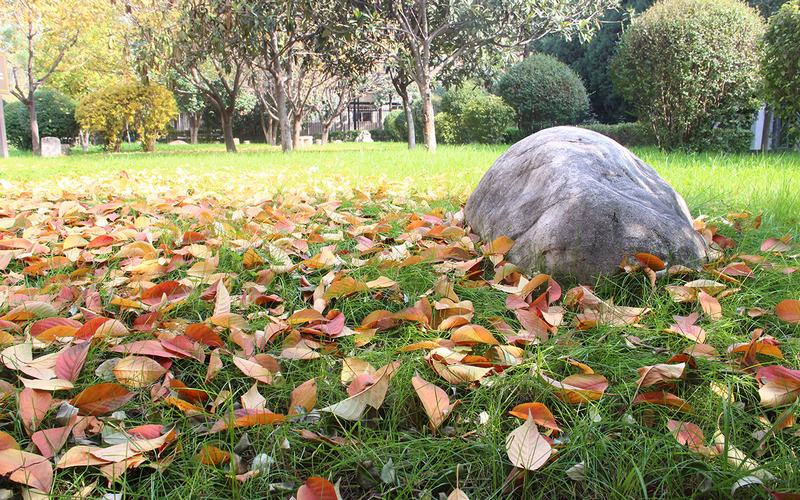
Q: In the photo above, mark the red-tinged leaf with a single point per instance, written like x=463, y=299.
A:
x=685, y=325
x=27, y=468
x=30, y=310
x=687, y=434
x=146, y=322
x=50, y=441
x=781, y=385
x=434, y=400
x=147, y=431
x=100, y=242
x=664, y=399
x=353, y=407
x=43, y=325
x=526, y=448
x=69, y=362
x=473, y=335
x=317, y=488
x=173, y=290
x=776, y=245
x=101, y=399
x=33, y=406
x=101, y=327
x=540, y=413
x=183, y=345
x=131, y=448
x=789, y=311
x=649, y=260
x=146, y=348
x=737, y=269
x=580, y=388
x=191, y=395
x=202, y=333
x=7, y=441
x=710, y=306
x=304, y=397
x=248, y=417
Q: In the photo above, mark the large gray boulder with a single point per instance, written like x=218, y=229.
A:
x=577, y=202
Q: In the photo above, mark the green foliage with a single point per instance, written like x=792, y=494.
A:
x=343, y=135
x=512, y=135
x=54, y=111
x=390, y=124
x=145, y=109
x=590, y=59
x=381, y=135
x=628, y=134
x=544, y=92
x=781, y=65
x=485, y=119
x=690, y=66
x=447, y=127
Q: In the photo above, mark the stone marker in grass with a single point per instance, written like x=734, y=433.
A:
x=576, y=203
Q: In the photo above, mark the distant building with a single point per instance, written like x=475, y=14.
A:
x=362, y=113
x=769, y=132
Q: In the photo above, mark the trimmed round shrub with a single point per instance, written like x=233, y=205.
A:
x=544, y=92
x=447, y=127
x=486, y=119
x=688, y=67
x=54, y=111
x=390, y=124
x=455, y=99
x=781, y=65
x=146, y=109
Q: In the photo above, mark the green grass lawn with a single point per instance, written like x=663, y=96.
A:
x=260, y=197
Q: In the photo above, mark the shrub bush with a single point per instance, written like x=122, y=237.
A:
x=543, y=92
x=343, y=135
x=486, y=119
x=690, y=66
x=781, y=65
x=447, y=127
x=381, y=135
x=512, y=135
x=146, y=109
x=627, y=134
x=54, y=111
x=390, y=123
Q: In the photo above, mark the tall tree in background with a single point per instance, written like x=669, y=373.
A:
x=440, y=35
x=208, y=43
x=305, y=42
x=401, y=81
x=41, y=34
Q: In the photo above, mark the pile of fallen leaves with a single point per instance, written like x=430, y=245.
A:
x=147, y=285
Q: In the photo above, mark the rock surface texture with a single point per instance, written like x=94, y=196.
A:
x=577, y=202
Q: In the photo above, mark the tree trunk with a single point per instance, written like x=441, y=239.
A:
x=283, y=115
x=326, y=132
x=263, y=121
x=227, y=130
x=297, y=126
x=428, y=127
x=271, y=131
x=83, y=136
x=36, y=144
x=412, y=133
x=194, y=127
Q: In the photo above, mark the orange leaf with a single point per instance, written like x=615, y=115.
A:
x=540, y=413
x=211, y=455
x=473, y=334
x=304, y=396
x=317, y=488
x=651, y=261
x=788, y=310
x=138, y=371
x=665, y=399
x=100, y=399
